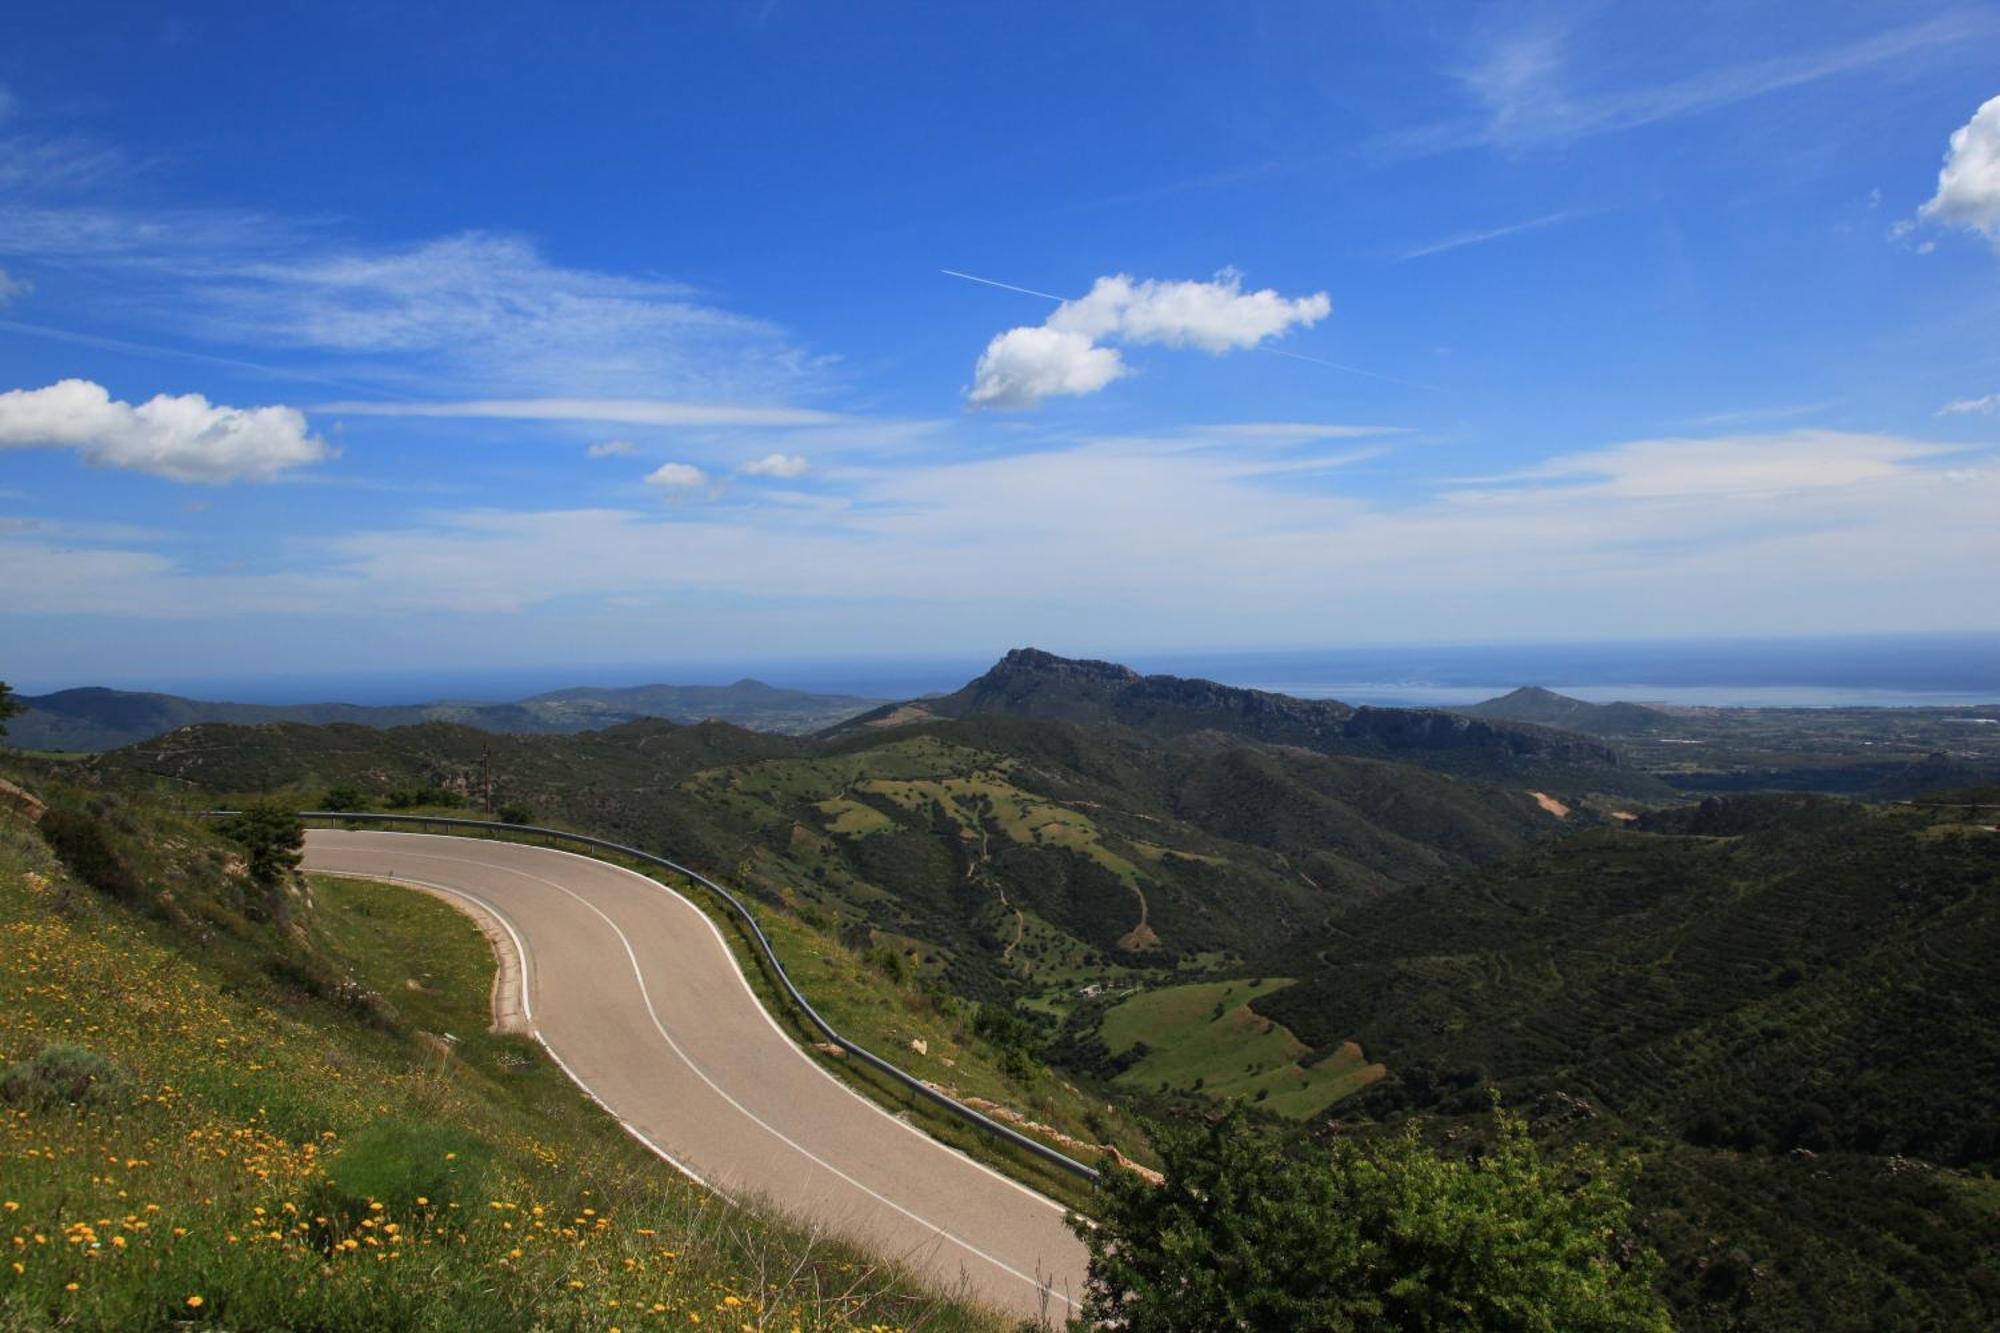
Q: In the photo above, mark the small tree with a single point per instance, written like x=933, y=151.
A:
x=273, y=841
x=1247, y=1236
x=9, y=705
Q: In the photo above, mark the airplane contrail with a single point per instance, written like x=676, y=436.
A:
x=1003, y=286
x=1352, y=370
x=1275, y=351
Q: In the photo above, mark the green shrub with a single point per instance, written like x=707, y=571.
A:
x=61, y=1074
x=1247, y=1235
x=410, y=797
x=397, y=1164
x=889, y=962
x=81, y=843
x=343, y=798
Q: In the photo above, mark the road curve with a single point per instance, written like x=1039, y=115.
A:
x=633, y=990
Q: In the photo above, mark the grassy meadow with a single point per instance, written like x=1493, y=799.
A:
x=1205, y=1038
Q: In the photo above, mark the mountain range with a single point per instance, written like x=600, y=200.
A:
x=95, y=718
x=1028, y=682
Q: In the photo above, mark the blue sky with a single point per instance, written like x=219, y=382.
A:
x=334, y=337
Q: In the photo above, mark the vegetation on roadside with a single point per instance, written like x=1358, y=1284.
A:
x=197, y=1131
x=1251, y=1233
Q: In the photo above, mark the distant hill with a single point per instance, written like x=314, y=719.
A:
x=1546, y=708
x=1028, y=682
x=94, y=718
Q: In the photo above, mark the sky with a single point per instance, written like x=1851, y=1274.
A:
x=335, y=338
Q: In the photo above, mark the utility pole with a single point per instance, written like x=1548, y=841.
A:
x=486, y=775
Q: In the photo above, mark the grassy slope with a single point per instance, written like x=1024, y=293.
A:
x=1205, y=1037
x=237, y=1161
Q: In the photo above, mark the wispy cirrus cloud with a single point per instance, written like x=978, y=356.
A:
x=1744, y=416
x=620, y=411
x=469, y=314
x=488, y=310
x=1530, y=91
x=37, y=163
x=1732, y=465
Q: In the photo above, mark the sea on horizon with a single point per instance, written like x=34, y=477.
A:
x=1877, y=671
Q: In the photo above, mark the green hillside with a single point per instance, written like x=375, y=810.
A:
x=1022, y=857
x=1030, y=683
x=1789, y=1001
x=228, y=1108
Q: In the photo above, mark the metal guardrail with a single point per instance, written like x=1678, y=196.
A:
x=987, y=1124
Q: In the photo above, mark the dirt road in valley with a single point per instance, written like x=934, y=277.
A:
x=633, y=990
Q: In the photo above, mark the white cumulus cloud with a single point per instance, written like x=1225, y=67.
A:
x=676, y=476
x=1968, y=406
x=11, y=287
x=182, y=438
x=779, y=465
x=612, y=449
x=1968, y=193
x=1063, y=355
x=1022, y=366
x=1216, y=316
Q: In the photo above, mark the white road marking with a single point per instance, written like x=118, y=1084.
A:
x=528, y=1012
x=791, y=1043
x=645, y=994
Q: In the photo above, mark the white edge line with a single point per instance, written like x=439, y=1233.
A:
x=630, y=1128
x=521, y=952
x=646, y=996
x=790, y=1041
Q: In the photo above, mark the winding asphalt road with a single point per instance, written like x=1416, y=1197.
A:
x=633, y=990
